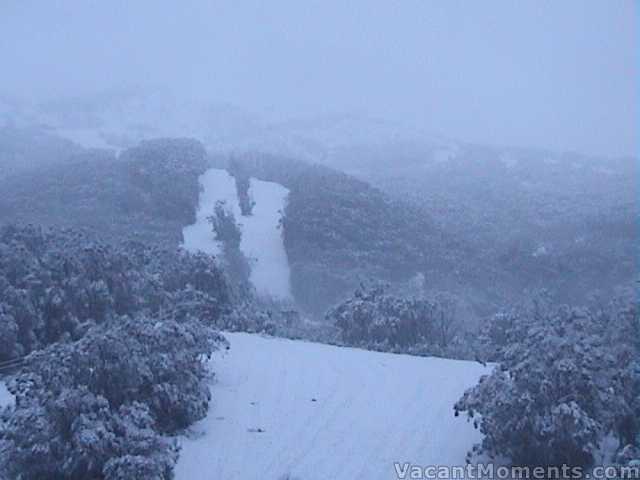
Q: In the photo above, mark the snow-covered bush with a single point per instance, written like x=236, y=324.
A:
x=114, y=337
x=97, y=407
x=55, y=284
x=377, y=320
x=567, y=379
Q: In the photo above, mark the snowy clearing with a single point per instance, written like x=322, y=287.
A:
x=261, y=238
x=314, y=411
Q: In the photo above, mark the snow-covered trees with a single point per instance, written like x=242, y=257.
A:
x=55, y=284
x=150, y=191
x=166, y=171
x=228, y=233
x=115, y=338
x=377, y=320
x=567, y=378
x=96, y=408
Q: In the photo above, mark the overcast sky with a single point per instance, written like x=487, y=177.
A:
x=559, y=74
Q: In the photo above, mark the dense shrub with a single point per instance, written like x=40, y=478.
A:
x=96, y=408
x=377, y=320
x=116, y=337
x=568, y=377
x=55, y=284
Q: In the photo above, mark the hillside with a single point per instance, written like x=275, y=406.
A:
x=336, y=230
x=339, y=231
x=149, y=192
x=529, y=218
x=382, y=201
x=319, y=412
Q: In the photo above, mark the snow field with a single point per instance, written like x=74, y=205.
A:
x=319, y=412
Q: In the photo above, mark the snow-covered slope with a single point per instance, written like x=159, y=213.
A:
x=5, y=397
x=261, y=237
x=318, y=412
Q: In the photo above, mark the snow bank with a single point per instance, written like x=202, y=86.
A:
x=261, y=238
x=319, y=412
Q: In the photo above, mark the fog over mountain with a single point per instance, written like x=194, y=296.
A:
x=319, y=240
x=561, y=75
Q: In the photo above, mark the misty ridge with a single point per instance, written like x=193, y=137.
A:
x=318, y=240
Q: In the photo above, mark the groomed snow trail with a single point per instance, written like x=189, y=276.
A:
x=370, y=410
x=261, y=238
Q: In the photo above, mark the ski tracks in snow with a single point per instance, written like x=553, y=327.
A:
x=320, y=412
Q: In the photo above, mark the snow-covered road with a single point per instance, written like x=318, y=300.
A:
x=318, y=412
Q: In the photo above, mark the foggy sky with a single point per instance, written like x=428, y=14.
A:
x=558, y=74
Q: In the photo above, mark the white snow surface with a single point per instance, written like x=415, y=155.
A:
x=261, y=236
x=262, y=240
x=215, y=185
x=370, y=410
x=6, y=398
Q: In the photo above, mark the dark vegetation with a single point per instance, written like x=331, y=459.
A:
x=228, y=233
x=242, y=177
x=149, y=192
